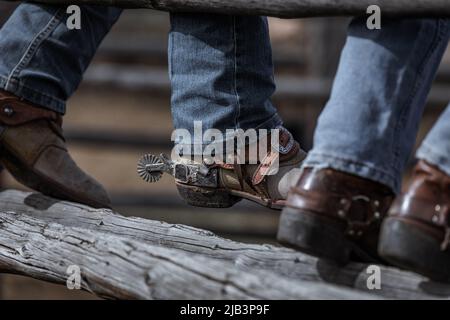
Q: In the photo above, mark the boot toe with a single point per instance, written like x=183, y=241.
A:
x=57, y=175
x=57, y=167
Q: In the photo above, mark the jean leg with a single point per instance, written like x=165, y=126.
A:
x=221, y=72
x=435, y=149
x=42, y=60
x=369, y=125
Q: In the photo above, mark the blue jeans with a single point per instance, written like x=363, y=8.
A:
x=221, y=73
x=220, y=66
x=369, y=125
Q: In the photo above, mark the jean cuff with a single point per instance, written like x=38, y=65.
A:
x=434, y=157
x=39, y=98
x=319, y=160
x=273, y=122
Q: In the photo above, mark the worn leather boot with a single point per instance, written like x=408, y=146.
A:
x=416, y=234
x=231, y=183
x=334, y=215
x=32, y=149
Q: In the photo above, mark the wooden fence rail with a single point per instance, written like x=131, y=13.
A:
x=281, y=8
x=124, y=257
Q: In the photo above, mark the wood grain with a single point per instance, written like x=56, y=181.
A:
x=36, y=214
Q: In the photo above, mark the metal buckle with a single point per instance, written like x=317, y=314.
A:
x=356, y=228
x=186, y=173
x=197, y=175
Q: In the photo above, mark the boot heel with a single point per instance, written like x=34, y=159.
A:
x=409, y=247
x=205, y=197
x=313, y=235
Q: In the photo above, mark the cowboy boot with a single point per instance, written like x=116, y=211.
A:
x=250, y=181
x=224, y=183
x=33, y=150
x=334, y=215
x=416, y=234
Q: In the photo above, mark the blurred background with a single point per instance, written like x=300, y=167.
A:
x=122, y=111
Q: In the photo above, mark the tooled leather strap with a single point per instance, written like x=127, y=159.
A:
x=265, y=167
x=340, y=207
x=287, y=148
x=425, y=212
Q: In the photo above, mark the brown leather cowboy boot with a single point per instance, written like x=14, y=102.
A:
x=332, y=214
x=416, y=235
x=227, y=184
x=32, y=149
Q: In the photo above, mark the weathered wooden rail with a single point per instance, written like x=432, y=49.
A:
x=281, y=8
x=124, y=257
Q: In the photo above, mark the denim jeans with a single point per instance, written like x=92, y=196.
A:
x=221, y=73
x=220, y=66
x=369, y=125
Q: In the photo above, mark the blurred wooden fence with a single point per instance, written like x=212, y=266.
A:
x=131, y=61
x=281, y=8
